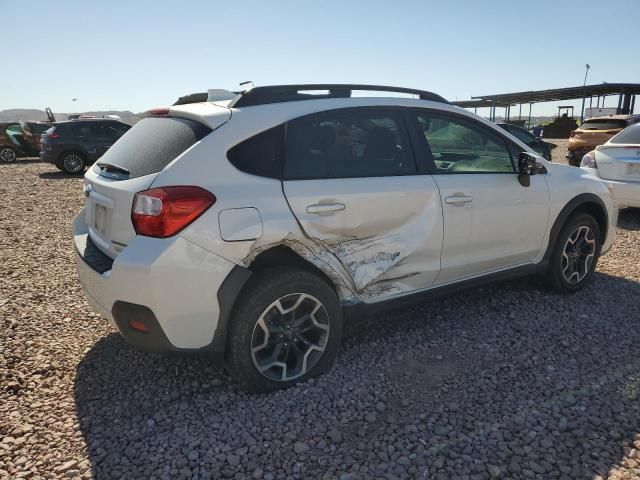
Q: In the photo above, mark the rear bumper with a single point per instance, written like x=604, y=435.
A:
x=170, y=285
x=574, y=156
x=47, y=156
x=625, y=194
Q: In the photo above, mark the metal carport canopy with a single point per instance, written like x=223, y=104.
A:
x=552, y=95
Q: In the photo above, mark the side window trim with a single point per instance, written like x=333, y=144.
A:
x=433, y=170
x=398, y=114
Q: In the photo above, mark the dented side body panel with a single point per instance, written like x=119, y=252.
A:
x=388, y=237
x=386, y=242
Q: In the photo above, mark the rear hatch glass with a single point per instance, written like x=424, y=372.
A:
x=603, y=124
x=151, y=145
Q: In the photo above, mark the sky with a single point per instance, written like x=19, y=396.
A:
x=136, y=55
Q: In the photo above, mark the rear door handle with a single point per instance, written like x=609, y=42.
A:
x=458, y=199
x=325, y=208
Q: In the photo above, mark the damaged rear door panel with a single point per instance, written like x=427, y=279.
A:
x=383, y=224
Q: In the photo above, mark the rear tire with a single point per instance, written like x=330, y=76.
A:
x=575, y=254
x=8, y=155
x=286, y=328
x=72, y=162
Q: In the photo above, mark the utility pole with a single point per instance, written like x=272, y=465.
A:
x=584, y=92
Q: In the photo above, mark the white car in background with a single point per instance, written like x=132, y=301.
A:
x=617, y=163
x=256, y=226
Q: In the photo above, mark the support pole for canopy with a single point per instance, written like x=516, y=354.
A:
x=619, y=103
x=529, y=121
x=520, y=113
x=626, y=105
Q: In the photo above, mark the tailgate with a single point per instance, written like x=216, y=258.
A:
x=108, y=209
x=130, y=166
x=619, y=162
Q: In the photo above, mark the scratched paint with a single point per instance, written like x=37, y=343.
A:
x=359, y=268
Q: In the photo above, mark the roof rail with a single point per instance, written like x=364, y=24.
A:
x=291, y=93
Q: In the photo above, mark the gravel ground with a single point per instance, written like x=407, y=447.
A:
x=507, y=381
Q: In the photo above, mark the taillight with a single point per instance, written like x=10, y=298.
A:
x=53, y=135
x=163, y=212
x=157, y=112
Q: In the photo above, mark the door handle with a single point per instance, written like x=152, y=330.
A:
x=459, y=199
x=325, y=208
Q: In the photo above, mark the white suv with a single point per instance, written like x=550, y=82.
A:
x=257, y=226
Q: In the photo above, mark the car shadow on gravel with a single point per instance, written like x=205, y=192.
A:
x=629, y=219
x=21, y=161
x=58, y=175
x=508, y=376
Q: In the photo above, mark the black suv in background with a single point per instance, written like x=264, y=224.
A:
x=75, y=144
x=539, y=145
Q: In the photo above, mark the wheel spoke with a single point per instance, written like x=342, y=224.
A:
x=578, y=254
x=286, y=336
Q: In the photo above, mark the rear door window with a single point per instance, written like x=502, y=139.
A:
x=152, y=143
x=348, y=144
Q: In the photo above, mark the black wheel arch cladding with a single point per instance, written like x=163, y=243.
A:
x=587, y=203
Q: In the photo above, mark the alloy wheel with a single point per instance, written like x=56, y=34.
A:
x=290, y=337
x=7, y=155
x=578, y=254
x=72, y=163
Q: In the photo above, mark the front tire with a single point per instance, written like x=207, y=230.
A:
x=575, y=254
x=7, y=155
x=72, y=162
x=286, y=328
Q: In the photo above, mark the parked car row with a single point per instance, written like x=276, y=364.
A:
x=256, y=227
x=595, y=131
x=70, y=145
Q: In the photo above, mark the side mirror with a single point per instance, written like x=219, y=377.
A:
x=527, y=165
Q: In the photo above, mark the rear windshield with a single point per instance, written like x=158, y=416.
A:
x=603, y=124
x=629, y=135
x=152, y=143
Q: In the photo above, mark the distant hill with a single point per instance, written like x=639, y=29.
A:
x=26, y=114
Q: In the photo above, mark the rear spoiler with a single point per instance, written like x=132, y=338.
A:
x=210, y=96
